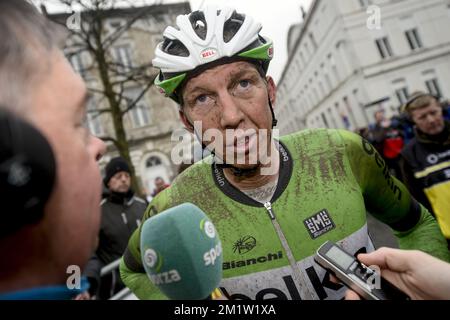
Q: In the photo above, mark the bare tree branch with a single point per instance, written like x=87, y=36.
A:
x=98, y=112
x=109, y=139
x=111, y=39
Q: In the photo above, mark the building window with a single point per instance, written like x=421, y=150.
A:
x=384, y=47
x=123, y=57
x=365, y=3
x=139, y=115
x=414, y=39
x=402, y=95
x=350, y=111
x=313, y=40
x=322, y=89
x=93, y=119
x=153, y=161
x=77, y=64
x=324, y=119
x=95, y=126
x=433, y=87
x=333, y=120
x=328, y=81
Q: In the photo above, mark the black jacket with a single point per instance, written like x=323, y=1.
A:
x=121, y=215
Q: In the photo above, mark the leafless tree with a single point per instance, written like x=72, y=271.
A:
x=88, y=32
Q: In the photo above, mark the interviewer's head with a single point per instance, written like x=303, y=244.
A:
x=38, y=85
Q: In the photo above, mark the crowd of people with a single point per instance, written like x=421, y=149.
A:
x=214, y=66
x=416, y=147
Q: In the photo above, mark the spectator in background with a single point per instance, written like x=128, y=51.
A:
x=121, y=215
x=425, y=162
x=386, y=136
x=393, y=145
x=377, y=131
x=50, y=219
x=446, y=106
x=160, y=185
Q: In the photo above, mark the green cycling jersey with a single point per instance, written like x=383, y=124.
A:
x=328, y=180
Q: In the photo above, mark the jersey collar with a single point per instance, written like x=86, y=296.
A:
x=286, y=165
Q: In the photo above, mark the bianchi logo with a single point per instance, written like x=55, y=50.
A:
x=319, y=224
x=244, y=245
x=244, y=263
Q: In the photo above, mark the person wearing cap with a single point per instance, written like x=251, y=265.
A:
x=425, y=161
x=122, y=212
x=273, y=201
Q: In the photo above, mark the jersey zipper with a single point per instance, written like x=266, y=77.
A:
x=305, y=288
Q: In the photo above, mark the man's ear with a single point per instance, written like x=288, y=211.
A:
x=187, y=124
x=272, y=90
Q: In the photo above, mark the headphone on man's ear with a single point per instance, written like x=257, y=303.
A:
x=27, y=173
x=415, y=97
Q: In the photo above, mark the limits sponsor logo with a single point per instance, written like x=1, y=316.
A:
x=244, y=244
x=243, y=263
x=319, y=224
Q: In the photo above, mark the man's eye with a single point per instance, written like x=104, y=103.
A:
x=202, y=99
x=244, y=83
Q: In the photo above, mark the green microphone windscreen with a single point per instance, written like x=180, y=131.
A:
x=182, y=253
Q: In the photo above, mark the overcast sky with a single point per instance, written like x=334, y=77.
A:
x=275, y=16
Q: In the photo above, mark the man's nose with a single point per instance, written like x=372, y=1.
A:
x=232, y=114
x=99, y=148
x=431, y=118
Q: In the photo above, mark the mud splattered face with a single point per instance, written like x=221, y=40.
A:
x=231, y=102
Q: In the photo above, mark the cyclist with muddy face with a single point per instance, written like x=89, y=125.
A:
x=273, y=201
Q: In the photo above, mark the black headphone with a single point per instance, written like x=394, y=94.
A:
x=27, y=173
x=417, y=96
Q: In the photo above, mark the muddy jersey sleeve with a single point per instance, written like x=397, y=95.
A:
x=390, y=201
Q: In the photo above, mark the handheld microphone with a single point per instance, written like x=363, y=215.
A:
x=182, y=253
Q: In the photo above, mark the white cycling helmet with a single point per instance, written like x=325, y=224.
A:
x=205, y=39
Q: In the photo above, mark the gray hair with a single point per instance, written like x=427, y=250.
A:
x=27, y=40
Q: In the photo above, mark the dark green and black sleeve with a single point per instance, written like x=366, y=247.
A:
x=388, y=200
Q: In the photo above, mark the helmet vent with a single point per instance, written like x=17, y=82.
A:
x=198, y=22
x=232, y=26
x=174, y=47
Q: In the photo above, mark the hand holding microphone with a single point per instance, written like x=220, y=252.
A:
x=182, y=253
